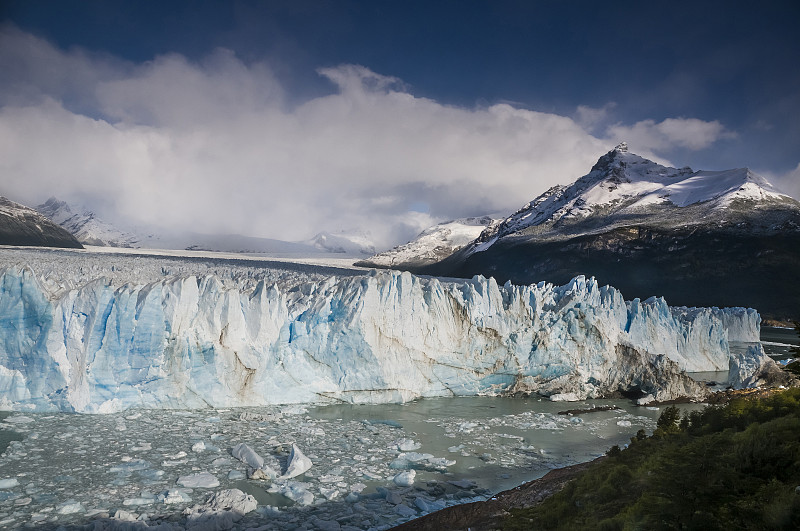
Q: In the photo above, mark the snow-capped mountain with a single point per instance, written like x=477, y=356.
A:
x=86, y=226
x=432, y=245
x=624, y=189
x=646, y=228
x=348, y=242
x=21, y=225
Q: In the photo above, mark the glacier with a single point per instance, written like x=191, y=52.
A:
x=197, y=340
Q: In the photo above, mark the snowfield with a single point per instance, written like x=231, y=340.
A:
x=99, y=333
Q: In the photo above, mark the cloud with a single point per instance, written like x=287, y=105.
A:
x=591, y=118
x=788, y=183
x=213, y=146
x=687, y=133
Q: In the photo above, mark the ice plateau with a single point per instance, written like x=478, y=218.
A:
x=197, y=340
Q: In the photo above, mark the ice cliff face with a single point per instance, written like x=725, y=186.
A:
x=189, y=341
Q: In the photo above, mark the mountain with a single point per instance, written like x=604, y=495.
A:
x=432, y=245
x=349, y=242
x=91, y=230
x=699, y=238
x=86, y=226
x=21, y=225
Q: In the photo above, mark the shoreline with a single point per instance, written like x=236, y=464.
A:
x=484, y=515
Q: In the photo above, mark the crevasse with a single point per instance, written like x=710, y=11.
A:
x=191, y=342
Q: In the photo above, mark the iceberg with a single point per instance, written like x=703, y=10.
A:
x=190, y=341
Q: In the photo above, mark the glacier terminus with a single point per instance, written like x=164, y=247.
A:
x=98, y=334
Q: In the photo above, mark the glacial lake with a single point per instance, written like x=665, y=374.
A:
x=59, y=468
x=72, y=468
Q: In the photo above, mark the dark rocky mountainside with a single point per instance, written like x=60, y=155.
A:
x=697, y=238
x=20, y=225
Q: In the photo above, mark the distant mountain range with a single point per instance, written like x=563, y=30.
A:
x=89, y=229
x=432, y=245
x=21, y=225
x=85, y=226
x=698, y=238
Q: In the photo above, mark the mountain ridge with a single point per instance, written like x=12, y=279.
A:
x=22, y=225
x=698, y=238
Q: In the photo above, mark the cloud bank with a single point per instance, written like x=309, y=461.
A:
x=213, y=146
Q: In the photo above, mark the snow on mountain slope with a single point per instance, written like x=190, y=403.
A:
x=21, y=225
x=86, y=226
x=625, y=189
x=347, y=242
x=253, y=336
x=433, y=244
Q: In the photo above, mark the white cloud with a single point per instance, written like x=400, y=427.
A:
x=788, y=183
x=591, y=118
x=689, y=133
x=212, y=146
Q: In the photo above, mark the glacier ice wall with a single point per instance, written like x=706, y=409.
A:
x=190, y=341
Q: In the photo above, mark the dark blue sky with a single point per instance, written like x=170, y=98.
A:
x=736, y=63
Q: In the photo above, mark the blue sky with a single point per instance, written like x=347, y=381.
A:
x=386, y=115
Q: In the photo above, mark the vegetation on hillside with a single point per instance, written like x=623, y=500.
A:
x=794, y=367
x=730, y=467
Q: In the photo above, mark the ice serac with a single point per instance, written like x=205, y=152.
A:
x=191, y=342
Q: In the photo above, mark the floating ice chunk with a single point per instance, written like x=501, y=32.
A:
x=199, y=480
x=69, y=507
x=467, y=427
x=125, y=516
x=221, y=461
x=405, y=479
x=400, y=464
x=454, y=449
x=295, y=491
x=199, y=447
x=441, y=461
x=262, y=473
x=404, y=510
x=407, y=445
x=138, y=501
x=234, y=475
x=247, y=455
x=415, y=457
x=329, y=493
x=179, y=455
x=8, y=483
x=297, y=463
x=428, y=506
x=19, y=419
x=357, y=487
x=232, y=500
x=173, y=496
x=464, y=484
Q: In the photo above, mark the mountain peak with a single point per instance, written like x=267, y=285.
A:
x=622, y=147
